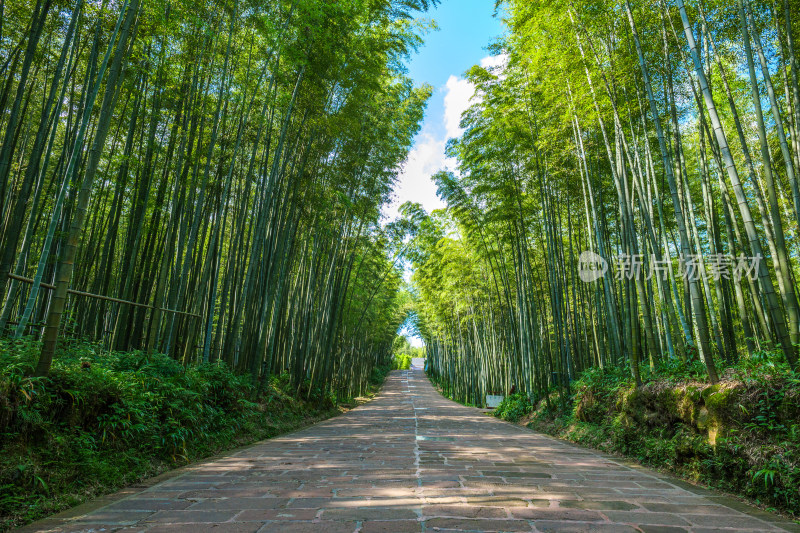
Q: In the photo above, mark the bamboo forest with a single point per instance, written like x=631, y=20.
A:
x=199, y=251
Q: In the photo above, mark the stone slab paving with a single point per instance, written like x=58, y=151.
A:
x=413, y=461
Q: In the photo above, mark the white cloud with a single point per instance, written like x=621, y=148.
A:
x=414, y=184
x=494, y=61
x=460, y=94
x=456, y=100
x=427, y=157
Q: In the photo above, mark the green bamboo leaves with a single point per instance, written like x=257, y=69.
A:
x=225, y=160
x=608, y=131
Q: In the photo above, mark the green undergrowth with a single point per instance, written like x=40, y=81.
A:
x=741, y=435
x=401, y=361
x=102, y=420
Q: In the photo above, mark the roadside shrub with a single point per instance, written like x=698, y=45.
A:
x=513, y=407
x=103, y=420
x=741, y=435
x=401, y=361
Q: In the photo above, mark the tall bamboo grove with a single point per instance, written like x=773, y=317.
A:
x=662, y=136
x=205, y=178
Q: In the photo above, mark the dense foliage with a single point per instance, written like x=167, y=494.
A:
x=401, y=361
x=403, y=352
x=660, y=136
x=211, y=174
x=741, y=435
x=204, y=180
x=102, y=420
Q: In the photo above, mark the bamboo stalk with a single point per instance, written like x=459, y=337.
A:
x=101, y=297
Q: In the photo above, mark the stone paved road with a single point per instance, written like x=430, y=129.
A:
x=413, y=461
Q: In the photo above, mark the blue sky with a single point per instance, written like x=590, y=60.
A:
x=466, y=27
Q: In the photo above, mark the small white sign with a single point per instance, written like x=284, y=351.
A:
x=493, y=401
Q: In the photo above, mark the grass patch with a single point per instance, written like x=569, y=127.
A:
x=101, y=421
x=741, y=436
